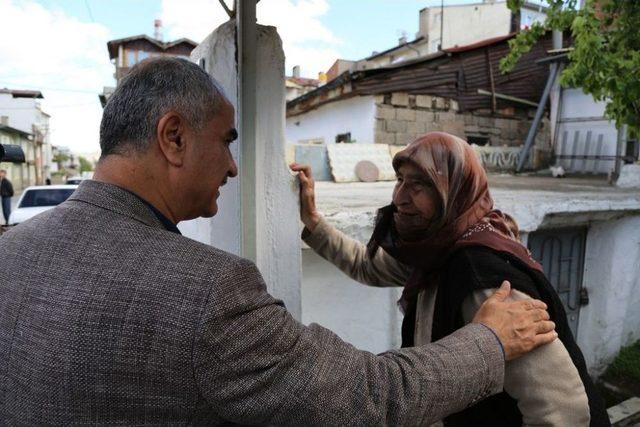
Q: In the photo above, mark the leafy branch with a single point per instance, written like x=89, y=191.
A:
x=605, y=59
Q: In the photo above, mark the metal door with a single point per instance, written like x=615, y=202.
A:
x=561, y=253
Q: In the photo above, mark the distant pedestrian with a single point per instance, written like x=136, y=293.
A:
x=47, y=181
x=6, y=193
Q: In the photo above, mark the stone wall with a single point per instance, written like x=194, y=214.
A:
x=401, y=117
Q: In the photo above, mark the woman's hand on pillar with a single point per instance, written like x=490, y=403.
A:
x=308, y=213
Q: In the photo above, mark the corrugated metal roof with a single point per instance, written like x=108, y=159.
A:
x=457, y=73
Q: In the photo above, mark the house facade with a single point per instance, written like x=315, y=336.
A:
x=22, y=110
x=459, y=91
x=21, y=175
x=126, y=52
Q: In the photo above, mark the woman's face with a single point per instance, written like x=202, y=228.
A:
x=414, y=194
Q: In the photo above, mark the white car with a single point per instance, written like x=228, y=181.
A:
x=35, y=200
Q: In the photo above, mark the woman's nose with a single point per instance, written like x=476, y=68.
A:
x=400, y=196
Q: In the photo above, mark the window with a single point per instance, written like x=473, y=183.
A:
x=478, y=140
x=48, y=197
x=131, y=58
x=142, y=55
x=343, y=137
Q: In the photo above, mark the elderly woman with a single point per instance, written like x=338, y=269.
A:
x=444, y=242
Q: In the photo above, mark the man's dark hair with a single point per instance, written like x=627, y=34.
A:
x=151, y=89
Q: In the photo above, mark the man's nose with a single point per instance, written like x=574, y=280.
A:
x=233, y=170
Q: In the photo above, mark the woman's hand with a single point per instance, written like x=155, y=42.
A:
x=308, y=213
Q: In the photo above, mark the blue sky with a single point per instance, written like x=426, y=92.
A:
x=62, y=43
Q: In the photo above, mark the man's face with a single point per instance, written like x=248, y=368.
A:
x=210, y=162
x=2, y=174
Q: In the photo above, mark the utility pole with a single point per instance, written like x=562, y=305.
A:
x=441, y=24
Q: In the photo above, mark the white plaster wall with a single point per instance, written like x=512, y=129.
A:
x=466, y=24
x=277, y=240
x=277, y=209
x=223, y=231
x=355, y=115
x=612, y=276
x=23, y=113
x=364, y=316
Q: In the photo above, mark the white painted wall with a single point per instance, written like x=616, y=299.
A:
x=465, y=24
x=22, y=112
x=364, y=316
x=612, y=276
x=277, y=240
x=577, y=105
x=355, y=115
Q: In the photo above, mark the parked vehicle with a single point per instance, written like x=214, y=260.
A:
x=74, y=180
x=38, y=199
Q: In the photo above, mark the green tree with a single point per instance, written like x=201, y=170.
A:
x=60, y=158
x=85, y=165
x=605, y=56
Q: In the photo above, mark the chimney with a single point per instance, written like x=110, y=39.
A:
x=402, y=40
x=4, y=120
x=157, y=29
x=296, y=71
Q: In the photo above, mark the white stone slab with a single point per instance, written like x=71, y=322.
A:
x=629, y=177
x=626, y=410
x=343, y=159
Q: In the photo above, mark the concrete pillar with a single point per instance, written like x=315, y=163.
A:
x=275, y=202
x=611, y=320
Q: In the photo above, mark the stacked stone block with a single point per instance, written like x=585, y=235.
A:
x=401, y=118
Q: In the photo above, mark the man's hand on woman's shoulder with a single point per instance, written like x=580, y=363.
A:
x=521, y=326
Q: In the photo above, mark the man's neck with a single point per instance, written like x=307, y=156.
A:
x=131, y=176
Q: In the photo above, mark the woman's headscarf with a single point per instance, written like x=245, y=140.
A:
x=465, y=214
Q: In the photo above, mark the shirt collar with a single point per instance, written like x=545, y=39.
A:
x=166, y=222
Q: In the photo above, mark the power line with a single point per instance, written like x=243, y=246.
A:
x=86, y=2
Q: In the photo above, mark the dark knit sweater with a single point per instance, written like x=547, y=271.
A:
x=478, y=268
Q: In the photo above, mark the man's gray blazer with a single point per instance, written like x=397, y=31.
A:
x=106, y=317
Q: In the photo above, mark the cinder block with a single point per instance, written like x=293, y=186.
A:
x=400, y=99
x=379, y=99
x=404, y=138
x=384, y=138
x=385, y=112
x=469, y=119
x=425, y=116
x=396, y=126
x=412, y=101
x=380, y=125
x=454, y=105
x=405, y=114
x=454, y=128
x=440, y=103
x=423, y=101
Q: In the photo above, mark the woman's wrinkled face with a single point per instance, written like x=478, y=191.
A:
x=414, y=194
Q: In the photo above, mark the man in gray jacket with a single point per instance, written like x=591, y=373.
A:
x=108, y=315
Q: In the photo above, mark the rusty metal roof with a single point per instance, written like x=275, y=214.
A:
x=455, y=73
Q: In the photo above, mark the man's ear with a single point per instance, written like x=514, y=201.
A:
x=171, y=138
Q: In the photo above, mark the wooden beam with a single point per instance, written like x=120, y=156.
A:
x=507, y=98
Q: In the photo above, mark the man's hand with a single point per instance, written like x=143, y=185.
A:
x=521, y=326
x=308, y=213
